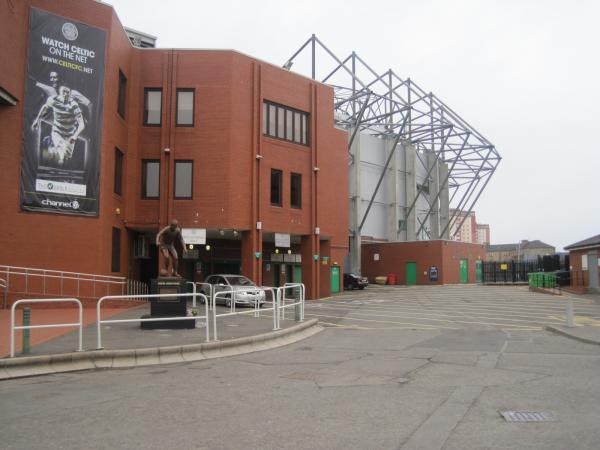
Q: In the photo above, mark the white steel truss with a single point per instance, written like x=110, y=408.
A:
x=399, y=109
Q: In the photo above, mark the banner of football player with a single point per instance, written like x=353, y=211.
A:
x=62, y=124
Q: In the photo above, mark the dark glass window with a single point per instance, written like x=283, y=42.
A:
x=185, y=107
x=184, y=176
x=276, y=176
x=152, y=106
x=118, y=187
x=285, y=123
x=296, y=191
x=122, y=94
x=115, y=265
x=150, y=178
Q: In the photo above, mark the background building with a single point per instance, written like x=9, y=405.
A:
x=585, y=265
x=522, y=251
x=483, y=234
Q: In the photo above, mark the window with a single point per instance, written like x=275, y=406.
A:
x=285, y=123
x=184, y=175
x=296, y=191
x=118, y=185
x=185, y=107
x=276, y=187
x=152, y=106
x=115, y=265
x=122, y=94
x=150, y=178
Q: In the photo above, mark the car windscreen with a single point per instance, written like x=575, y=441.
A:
x=239, y=281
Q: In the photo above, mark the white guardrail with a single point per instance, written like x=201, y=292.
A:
x=230, y=297
x=278, y=301
x=51, y=325
x=299, y=302
x=99, y=320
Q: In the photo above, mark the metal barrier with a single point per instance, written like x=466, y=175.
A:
x=296, y=302
x=257, y=305
x=44, y=275
x=195, y=290
x=4, y=287
x=135, y=287
x=53, y=325
x=99, y=320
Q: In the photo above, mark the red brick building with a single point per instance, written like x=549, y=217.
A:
x=219, y=140
x=423, y=262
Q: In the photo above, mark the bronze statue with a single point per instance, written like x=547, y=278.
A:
x=165, y=240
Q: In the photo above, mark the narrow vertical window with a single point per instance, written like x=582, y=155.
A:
x=115, y=265
x=304, y=129
x=122, y=94
x=297, y=127
x=150, y=179
x=296, y=191
x=152, y=106
x=272, y=120
x=185, y=107
x=276, y=176
x=118, y=184
x=289, y=125
x=184, y=176
x=281, y=122
x=265, y=118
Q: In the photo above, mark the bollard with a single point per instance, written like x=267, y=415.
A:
x=26, y=322
x=570, y=313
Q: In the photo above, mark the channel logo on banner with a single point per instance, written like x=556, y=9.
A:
x=62, y=126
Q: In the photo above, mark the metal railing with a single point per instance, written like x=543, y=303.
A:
x=53, y=281
x=52, y=325
x=257, y=304
x=297, y=288
x=135, y=287
x=99, y=320
x=4, y=288
x=278, y=303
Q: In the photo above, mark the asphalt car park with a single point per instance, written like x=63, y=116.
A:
x=421, y=367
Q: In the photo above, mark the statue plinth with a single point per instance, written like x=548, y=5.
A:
x=168, y=306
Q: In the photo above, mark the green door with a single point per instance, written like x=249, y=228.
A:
x=297, y=274
x=464, y=270
x=335, y=280
x=297, y=279
x=411, y=273
x=478, y=271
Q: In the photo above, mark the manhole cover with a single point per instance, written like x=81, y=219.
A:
x=528, y=416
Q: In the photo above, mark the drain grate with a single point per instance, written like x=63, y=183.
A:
x=528, y=416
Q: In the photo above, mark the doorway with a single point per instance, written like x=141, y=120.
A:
x=335, y=279
x=411, y=273
x=464, y=270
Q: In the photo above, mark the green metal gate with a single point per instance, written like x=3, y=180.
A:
x=464, y=270
x=335, y=280
x=411, y=273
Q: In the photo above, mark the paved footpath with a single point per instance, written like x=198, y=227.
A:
x=397, y=368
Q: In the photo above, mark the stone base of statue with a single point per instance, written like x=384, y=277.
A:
x=165, y=307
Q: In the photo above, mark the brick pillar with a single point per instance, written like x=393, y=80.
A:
x=248, y=259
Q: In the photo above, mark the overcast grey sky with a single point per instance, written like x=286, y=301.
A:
x=524, y=73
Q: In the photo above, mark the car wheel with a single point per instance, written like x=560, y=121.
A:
x=228, y=302
x=361, y=287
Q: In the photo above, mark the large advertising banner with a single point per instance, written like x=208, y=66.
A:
x=60, y=166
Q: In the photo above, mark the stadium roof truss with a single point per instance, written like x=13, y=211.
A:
x=385, y=104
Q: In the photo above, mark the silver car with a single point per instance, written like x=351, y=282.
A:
x=239, y=285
